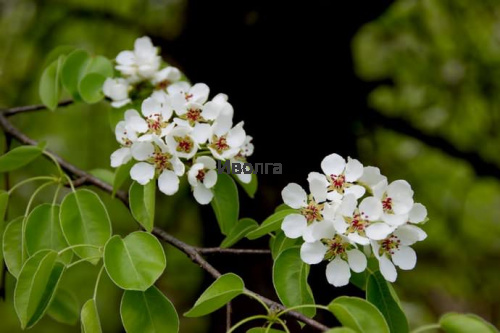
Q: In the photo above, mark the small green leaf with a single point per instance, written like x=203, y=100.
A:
x=379, y=294
x=249, y=188
x=263, y=330
x=100, y=65
x=359, y=315
x=341, y=330
x=74, y=68
x=43, y=231
x=105, y=175
x=64, y=307
x=121, y=175
x=142, y=204
x=148, y=312
x=90, y=318
x=272, y=223
x=225, y=203
x=239, y=231
x=465, y=323
x=12, y=246
x=90, y=87
x=282, y=207
x=19, y=157
x=135, y=262
x=4, y=200
x=280, y=243
x=56, y=52
x=85, y=220
x=221, y=292
x=50, y=84
x=290, y=281
x=36, y=285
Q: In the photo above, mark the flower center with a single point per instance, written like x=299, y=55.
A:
x=357, y=223
x=312, y=212
x=387, y=205
x=188, y=96
x=184, y=144
x=337, y=183
x=219, y=144
x=161, y=160
x=163, y=85
x=336, y=247
x=201, y=175
x=193, y=115
x=389, y=244
x=155, y=123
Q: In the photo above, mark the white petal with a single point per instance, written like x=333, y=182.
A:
x=329, y=211
x=202, y=194
x=120, y=156
x=402, y=196
x=338, y=272
x=168, y=182
x=142, y=172
x=179, y=167
x=409, y=234
x=222, y=125
x=193, y=172
x=395, y=220
x=353, y=170
x=375, y=249
x=294, y=196
x=357, y=190
x=340, y=225
x=141, y=151
x=317, y=186
x=210, y=179
x=150, y=106
x=378, y=231
x=119, y=104
x=371, y=208
x=356, y=238
x=312, y=253
x=294, y=225
x=418, y=213
x=207, y=161
x=348, y=205
x=200, y=93
x=125, y=58
x=236, y=136
x=178, y=88
x=323, y=229
x=372, y=176
x=357, y=260
x=387, y=269
x=333, y=164
x=245, y=178
x=201, y=132
x=405, y=258
x=307, y=235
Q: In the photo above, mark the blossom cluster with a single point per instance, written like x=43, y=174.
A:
x=178, y=129
x=351, y=212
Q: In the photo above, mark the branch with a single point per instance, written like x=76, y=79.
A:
x=192, y=252
x=31, y=108
x=215, y=250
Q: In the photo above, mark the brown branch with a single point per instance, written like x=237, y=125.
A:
x=215, y=250
x=30, y=108
x=229, y=310
x=192, y=252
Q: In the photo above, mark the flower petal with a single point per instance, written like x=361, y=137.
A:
x=353, y=170
x=312, y=253
x=409, y=234
x=357, y=260
x=168, y=182
x=356, y=238
x=200, y=93
x=378, y=231
x=338, y=272
x=236, y=136
x=357, y=190
x=294, y=225
x=333, y=164
x=142, y=172
x=317, y=186
x=371, y=208
x=323, y=229
x=142, y=150
x=405, y=258
x=210, y=179
x=418, y=213
x=202, y=194
x=387, y=269
x=395, y=220
x=294, y=196
x=120, y=156
x=193, y=173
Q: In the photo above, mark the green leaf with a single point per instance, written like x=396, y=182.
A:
x=359, y=315
x=272, y=223
x=100, y=65
x=225, y=203
x=239, y=231
x=36, y=285
x=105, y=175
x=282, y=207
x=290, y=281
x=121, y=175
x=249, y=188
x=4, y=201
x=465, y=323
x=142, y=204
x=84, y=220
x=43, y=231
x=64, y=307
x=90, y=87
x=56, y=52
x=19, y=157
x=12, y=246
x=341, y=330
x=280, y=243
x=74, y=68
x=263, y=330
x=50, y=84
x=135, y=262
x=148, y=312
x=90, y=318
x=379, y=294
x=221, y=292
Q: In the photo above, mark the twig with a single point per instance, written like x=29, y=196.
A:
x=215, y=250
x=30, y=108
x=192, y=252
x=229, y=310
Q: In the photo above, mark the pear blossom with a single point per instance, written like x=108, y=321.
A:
x=141, y=63
x=342, y=255
x=165, y=77
x=241, y=158
x=397, y=201
x=182, y=141
x=182, y=93
x=225, y=142
x=202, y=177
x=117, y=90
x=342, y=175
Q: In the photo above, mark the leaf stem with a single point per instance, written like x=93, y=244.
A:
x=427, y=328
x=302, y=307
x=97, y=283
x=76, y=246
x=70, y=182
x=29, y=180
x=82, y=260
x=53, y=158
x=282, y=323
x=258, y=299
x=246, y=320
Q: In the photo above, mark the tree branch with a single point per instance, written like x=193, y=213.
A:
x=216, y=250
x=30, y=108
x=192, y=252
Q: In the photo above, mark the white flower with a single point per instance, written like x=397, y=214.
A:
x=343, y=257
x=305, y=223
x=241, y=158
x=418, y=213
x=142, y=63
x=357, y=223
x=372, y=178
x=182, y=142
x=202, y=177
x=157, y=113
x=396, y=250
x=126, y=133
x=181, y=93
x=166, y=76
x=156, y=159
x=342, y=175
x=225, y=142
x=117, y=90
x=397, y=201
x=218, y=106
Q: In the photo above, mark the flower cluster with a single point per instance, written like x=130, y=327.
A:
x=351, y=212
x=179, y=130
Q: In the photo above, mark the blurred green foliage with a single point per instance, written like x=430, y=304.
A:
x=436, y=66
